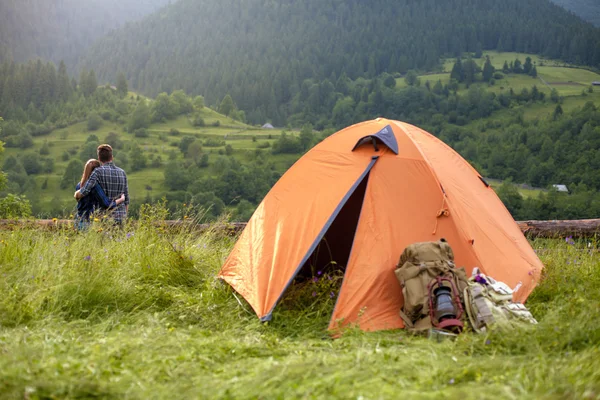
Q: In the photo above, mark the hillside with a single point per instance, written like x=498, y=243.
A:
x=174, y=147
x=588, y=10
x=217, y=47
x=58, y=30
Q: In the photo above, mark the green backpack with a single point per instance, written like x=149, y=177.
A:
x=489, y=302
x=422, y=266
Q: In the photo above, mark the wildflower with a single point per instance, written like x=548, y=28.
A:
x=451, y=381
x=488, y=342
x=332, y=295
x=54, y=219
x=70, y=215
x=185, y=217
x=129, y=234
x=315, y=279
x=314, y=294
x=87, y=258
x=96, y=219
x=319, y=272
x=329, y=277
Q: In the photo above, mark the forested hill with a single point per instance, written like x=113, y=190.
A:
x=58, y=30
x=261, y=51
x=588, y=10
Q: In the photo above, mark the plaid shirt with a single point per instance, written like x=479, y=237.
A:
x=113, y=181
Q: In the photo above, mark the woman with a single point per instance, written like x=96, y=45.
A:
x=96, y=199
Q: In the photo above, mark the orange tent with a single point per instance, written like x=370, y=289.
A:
x=367, y=192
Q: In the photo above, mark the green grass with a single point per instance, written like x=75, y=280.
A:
x=525, y=192
x=145, y=318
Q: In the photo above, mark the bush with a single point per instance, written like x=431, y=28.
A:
x=31, y=163
x=45, y=149
x=13, y=206
x=216, y=123
x=94, y=122
x=174, y=132
x=198, y=121
x=498, y=76
x=263, y=145
x=25, y=141
x=140, y=133
x=214, y=142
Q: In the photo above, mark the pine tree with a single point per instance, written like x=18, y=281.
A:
x=533, y=72
x=527, y=66
x=505, y=68
x=488, y=70
x=63, y=90
x=457, y=71
x=227, y=105
x=122, y=88
x=558, y=111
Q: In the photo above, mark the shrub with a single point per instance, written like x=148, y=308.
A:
x=214, y=142
x=140, y=133
x=13, y=206
x=94, y=122
x=45, y=149
x=198, y=121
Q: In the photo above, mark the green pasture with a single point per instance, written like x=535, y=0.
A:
x=139, y=314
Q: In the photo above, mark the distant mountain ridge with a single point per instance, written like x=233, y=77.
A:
x=58, y=30
x=588, y=10
x=262, y=51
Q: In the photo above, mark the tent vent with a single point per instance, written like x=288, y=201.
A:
x=384, y=136
x=484, y=182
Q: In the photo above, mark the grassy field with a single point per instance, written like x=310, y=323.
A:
x=567, y=79
x=244, y=139
x=138, y=314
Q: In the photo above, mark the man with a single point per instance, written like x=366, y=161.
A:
x=112, y=180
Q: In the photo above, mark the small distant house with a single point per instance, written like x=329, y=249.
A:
x=561, y=188
x=268, y=126
x=596, y=83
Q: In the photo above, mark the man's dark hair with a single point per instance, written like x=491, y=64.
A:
x=105, y=153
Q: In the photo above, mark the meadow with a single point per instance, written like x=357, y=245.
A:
x=139, y=314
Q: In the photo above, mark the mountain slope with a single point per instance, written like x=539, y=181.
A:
x=588, y=10
x=261, y=51
x=62, y=29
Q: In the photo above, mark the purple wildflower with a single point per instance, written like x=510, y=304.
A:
x=451, y=381
x=332, y=295
x=129, y=234
x=329, y=277
x=488, y=342
x=315, y=279
x=319, y=272
x=87, y=258
x=314, y=294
